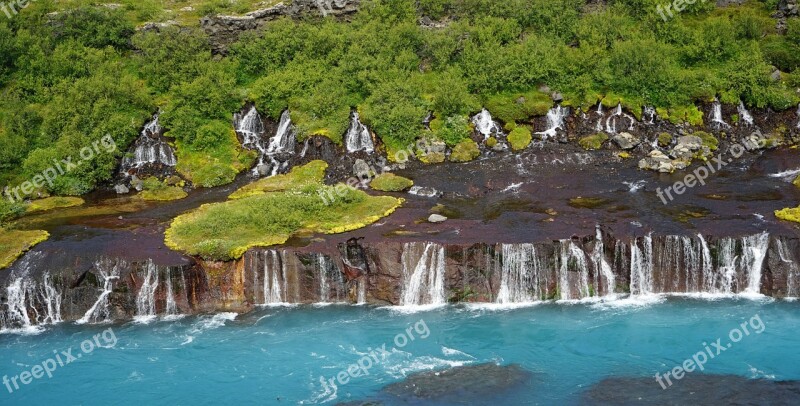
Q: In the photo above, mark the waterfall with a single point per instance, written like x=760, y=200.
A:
x=150, y=148
x=617, y=117
x=794, y=273
x=716, y=115
x=99, y=312
x=424, y=274
x=754, y=250
x=331, y=280
x=726, y=268
x=744, y=115
x=52, y=301
x=521, y=271
x=602, y=269
x=642, y=267
x=358, y=137
x=555, y=120
x=171, y=308
x=484, y=124
x=798, y=116
x=146, y=298
x=649, y=115
x=18, y=294
x=573, y=271
x=252, y=129
x=274, y=278
x=284, y=138
x=362, y=289
x=707, y=269
x=599, y=111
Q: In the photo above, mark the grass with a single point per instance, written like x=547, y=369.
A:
x=257, y=218
x=311, y=173
x=592, y=142
x=389, y=182
x=51, y=203
x=465, y=151
x=520, y=138
x=789, y=214
x=512, y=107
x=156, y=190
x=214, y=166
x=14, y=243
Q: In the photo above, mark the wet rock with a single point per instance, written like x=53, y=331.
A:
x=263, y=170
x=626, y=140
x=437, y=218
x=557, y=97
x=753, y=142
x=657, y=161
x=121, y=189
x=137, y=183
x=776, y=75
x=696, y=389
x=361, y=169
x=460, y=384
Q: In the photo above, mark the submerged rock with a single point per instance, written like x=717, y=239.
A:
x=697, y=389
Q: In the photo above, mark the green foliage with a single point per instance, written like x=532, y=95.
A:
x=389, y=182
x=520, y=138
x=452, y=130
x=593, y=142
x=10, y=210
x=519, y=106
x=465, y=151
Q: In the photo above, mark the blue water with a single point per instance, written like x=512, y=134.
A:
x=277, y=355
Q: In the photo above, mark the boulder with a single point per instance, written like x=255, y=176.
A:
x=437, y=218
x=626, y=140
x=121, y=189
x=361, y=169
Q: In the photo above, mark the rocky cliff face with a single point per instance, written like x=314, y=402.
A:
x=224, y=30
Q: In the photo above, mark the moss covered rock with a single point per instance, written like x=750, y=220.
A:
x=465, y=151
x=664, y=139
x=593, y=142
x=155, y=190
x=51, y=203
x=709, y=140
x=14, y=243
x=389, y=182
x=520, y=138
x=789, y=214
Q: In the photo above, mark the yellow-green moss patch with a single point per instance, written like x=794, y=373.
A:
x=311, y=173
x=519, y=138
x=465, y=151
x=389, y=182
x=14, y=243
x=51, y=203
x=592, y=142
x=789, y=214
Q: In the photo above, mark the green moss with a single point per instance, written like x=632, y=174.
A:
x=664, y=139
x=676, y=115
x=217, y=165
x=51, y=203
x=224, y=231
x=592, y=142
x=789, y=214
x=155, y=190
x=465, y=151
x=520, y=138
x=797, y=181
x=587, y=202
x=709, y=140
x=520, y=106
x=308, y=174
x=389, y=182
x=14, y=243
x=491, y=142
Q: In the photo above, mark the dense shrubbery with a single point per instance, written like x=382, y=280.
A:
x=70, y=78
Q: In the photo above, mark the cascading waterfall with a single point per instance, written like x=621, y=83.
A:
x=602, y=269
x=424, y=274
x=642, y=267
x=284, y=138
x=171, y=308
x=331, y=280
x=798, y=117
x=618, y=118
x=754, y=250
x=793, y=276
x=716, y=115
x=744, y=115
x=707, y=269
x=358, y=137
x=726, y=268
x=150, y=148
x=324, y=287
x=146, y=298
x=599, y=111
x=274, y=278
x=252, y=129
x=484, y=124
x=362, y=290
x=520, y=275
x=555, y=121
x=18, y=294
x=100, y=311
x=52, y=301
x=573, y=271
x=649, y=115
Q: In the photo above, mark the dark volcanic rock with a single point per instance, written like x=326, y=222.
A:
x=693, y=390
x=461, y=384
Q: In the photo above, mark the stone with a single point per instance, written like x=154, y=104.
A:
x=752, y=142
x=137, y=183
x=121, y=189
x=263, y=170
x=437, y=218
x=776, y=75
x=361, y=169
x=626, y=140
x=557, y=97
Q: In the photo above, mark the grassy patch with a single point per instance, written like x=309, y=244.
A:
x=465, y=151
x=592, y=142
x=520, y=138
x=389, y=182
x=214, y=166
x=311, y=173
x=789, y=214
x=156, y=190
x=224, y=231
x=709, y=140
x=511, y=107
x=51, y=203
x=14, y=243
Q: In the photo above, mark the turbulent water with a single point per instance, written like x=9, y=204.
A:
x=252, y=129
x=358, y=137
x=150, y=148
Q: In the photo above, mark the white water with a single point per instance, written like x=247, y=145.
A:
x=649, y=115
x=789, y=175
x=423, y=274
x=358, y=137
x=635, y=186
x=754, y=250
x=171, y=309
x=252, y=128
x=52, y=301
x=793, y=277
x=555, y=121
x=146, y=298
x=423, y=191
x=616, y=120
x=484, y=124
x=642, y=267
x=599, y=111
x=18, y=292
x=150, y=149
x=274, y=280
x=521, y=270
x=100, y=312
x=572, y=271
x=716, y=115
x=602, y=269
x=798, y=117
x=362, y=289
x=744, y=115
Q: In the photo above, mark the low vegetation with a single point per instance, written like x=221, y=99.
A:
x=389, y=182
x=14, y=243
x=51, y=203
